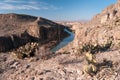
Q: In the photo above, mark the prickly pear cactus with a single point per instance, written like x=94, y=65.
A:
x=90, y=69
x=90, y=58
x=27, y=50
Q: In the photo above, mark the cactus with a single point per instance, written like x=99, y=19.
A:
x=93, y=48
x=90, y=69
x=26, y=50
x=93, y=66
x=90, y=58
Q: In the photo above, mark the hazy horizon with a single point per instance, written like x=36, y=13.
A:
x=57, y=10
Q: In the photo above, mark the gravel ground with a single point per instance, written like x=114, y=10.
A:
x=58, y=67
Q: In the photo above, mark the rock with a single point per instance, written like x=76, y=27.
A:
x=27, y=66
x=104, y=18
x=106, y=74
x=33, y=78
x=44, y=72
x=14, y=64
x=1, y=70
x=41, y=79
x=3, y=59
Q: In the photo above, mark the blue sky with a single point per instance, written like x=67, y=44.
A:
x=60, y=10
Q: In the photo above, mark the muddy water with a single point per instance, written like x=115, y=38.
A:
x=64, y=42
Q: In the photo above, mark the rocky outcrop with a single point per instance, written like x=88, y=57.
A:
x=101, y=30
x=17, y=30
x=104, y=27
x=108, y=14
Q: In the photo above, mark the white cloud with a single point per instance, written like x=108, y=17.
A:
x=25, y=5
x=5, y=6
x=28, y=7
x=13, y=1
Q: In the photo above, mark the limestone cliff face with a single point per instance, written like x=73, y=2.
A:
x=18, y=29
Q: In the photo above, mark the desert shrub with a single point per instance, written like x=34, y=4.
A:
x=27, y=50
x=93, y=48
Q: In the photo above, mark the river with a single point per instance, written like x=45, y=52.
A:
x=64, y=42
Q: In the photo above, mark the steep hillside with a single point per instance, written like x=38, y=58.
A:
x=99, y=37
x=19, y=29
x=101, y=29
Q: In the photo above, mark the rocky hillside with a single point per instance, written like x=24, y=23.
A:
x=94, y=54
x=103, y=28
x=99, y=37
x=18, y=29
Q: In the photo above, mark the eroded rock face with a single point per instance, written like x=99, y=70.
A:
x=17, y=30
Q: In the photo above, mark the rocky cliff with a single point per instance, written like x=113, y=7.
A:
x=101, y=29
x=19, y=29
